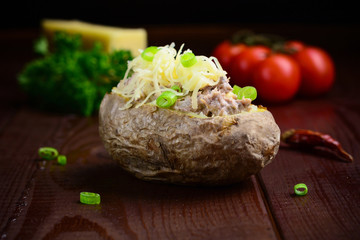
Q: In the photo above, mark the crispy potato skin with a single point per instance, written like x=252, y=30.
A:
x=166, y=145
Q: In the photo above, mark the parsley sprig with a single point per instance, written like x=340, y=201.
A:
x=70, y=79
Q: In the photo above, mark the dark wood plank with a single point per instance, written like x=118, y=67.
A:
x=331, y=208
x=19, y=142
x=39, y=200
x=42, y=198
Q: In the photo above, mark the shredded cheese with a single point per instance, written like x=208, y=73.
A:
x=149, y=79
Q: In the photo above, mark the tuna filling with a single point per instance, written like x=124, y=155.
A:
x=218, y=100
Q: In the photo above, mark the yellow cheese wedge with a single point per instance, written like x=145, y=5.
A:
x=112, y=38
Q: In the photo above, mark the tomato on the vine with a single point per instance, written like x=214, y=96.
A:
x=317, y=69
x=277, y=78
x=278, y=69
x=294, y=46
x=225, y=52
x=243, y=65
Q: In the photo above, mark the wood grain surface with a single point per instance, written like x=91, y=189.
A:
x=40, y=199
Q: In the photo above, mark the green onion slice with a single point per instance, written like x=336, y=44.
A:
x=176, y=88
x=245, y=92
x=188, y=59
x=166, y=99
x=61, y=159
x=149, y=53
x=236, y=89
x=249, y=92
x=48, y=153
x=89, y=198
x=300, y=189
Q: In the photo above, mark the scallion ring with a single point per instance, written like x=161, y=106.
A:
x=176, y=88
x=61, y=159
x=166, y=99
x=249, y=92
x=149, y=53
x=236, y=90
x=245, y=92
x=89, y=198
x=188, y=59
x=48, y=153
x=300, y=189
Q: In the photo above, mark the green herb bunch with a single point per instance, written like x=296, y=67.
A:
x=70, y=79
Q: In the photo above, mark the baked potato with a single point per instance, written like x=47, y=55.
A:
x=220, y=140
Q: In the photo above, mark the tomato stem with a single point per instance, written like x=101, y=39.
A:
x=275, y=42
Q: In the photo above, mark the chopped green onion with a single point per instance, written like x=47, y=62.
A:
x=89, y=198
x=166, y=99
x=48, y=153
x=149, y=53
x=236, y=89
x=249, y=92
x=300, y=189
x=176, y=88
x=245, y=92
x=61, y=159
x=188, y=59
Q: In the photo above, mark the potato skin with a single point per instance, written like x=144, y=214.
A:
x=166, y=145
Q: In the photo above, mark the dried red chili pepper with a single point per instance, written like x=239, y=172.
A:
x=311, y=139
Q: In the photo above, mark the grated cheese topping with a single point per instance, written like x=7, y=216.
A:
x=150, y=79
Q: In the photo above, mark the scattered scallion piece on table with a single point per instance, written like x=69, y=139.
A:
x=166, y=99
x=48, y=153
x=89, y=198
x=62, y=160
x=300, y=189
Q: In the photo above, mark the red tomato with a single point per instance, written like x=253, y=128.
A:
x=317, y=70
x=243, y=65
x=225, y=51
x=277, y=78
x=294, y=45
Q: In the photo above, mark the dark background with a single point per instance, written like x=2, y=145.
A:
x=37, y=198
x=166, y=20
x=28, y=14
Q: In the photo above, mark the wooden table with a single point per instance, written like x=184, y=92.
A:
x=40, y=199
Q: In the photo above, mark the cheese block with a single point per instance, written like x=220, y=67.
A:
x=113, y=38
